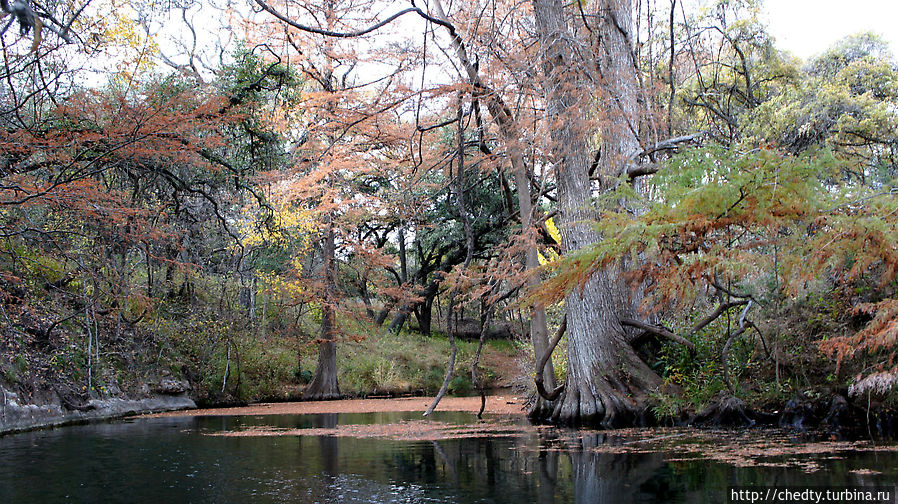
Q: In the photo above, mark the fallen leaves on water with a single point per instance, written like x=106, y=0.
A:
x=408, y=430
x=752, y=448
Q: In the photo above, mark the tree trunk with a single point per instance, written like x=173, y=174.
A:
x=324, y=384
x=510, y=132
x=399, y=320
x=424, y=312
x=607, y=382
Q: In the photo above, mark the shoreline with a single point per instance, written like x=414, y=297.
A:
x=495, y=404
x=15, y=418
x=833, y=417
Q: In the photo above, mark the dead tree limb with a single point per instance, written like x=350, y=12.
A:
x=726, y=347
x=663, y=332
x=721, y=309
x=657, y=331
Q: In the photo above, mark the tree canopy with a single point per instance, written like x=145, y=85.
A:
x=659, y=186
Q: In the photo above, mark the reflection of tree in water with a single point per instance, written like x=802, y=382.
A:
x=450, y=466
x=595, y=477
x=330, y=455
x=473, y=468
x=566, y=468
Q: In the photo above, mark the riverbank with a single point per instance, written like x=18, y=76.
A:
x=495, y=404
x=15, y=417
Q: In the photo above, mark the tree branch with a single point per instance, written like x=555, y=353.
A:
x=657, y=331
x=541, y=364
x=311, y=29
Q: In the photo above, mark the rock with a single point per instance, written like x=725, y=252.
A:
x=16, y=417
x=839, y=416
x=885, y=423
x=170, y=386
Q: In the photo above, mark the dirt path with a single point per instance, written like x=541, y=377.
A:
x=504, y=364
x=497, y=404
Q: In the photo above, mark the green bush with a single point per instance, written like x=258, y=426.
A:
x=461, y=385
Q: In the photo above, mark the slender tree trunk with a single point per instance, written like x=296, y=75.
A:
x=539, y=330
x=403, y=257
x=461, y=206
x=502, y=115
x=324, y=384
x=607, y=382
x=399, y=320
x=384, y=313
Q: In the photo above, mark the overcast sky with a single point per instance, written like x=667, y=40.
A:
x=808, y=27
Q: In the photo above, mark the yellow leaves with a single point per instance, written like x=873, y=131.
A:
x=122, y=30
x=552, y=254
x=553, y=231
x=279, y=286
x=112, y=26
x=287, y=222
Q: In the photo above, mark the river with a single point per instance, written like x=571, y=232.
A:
x=397, y=457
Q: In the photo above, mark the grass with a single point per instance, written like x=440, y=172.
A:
x=227, y=357
x=373, y=362
x=408, y=363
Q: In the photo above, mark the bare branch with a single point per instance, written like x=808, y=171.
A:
x=657, y=331
x=541, y=364
x=329, y=33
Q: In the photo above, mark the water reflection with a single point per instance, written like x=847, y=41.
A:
x=595, y=476
x=175, y=460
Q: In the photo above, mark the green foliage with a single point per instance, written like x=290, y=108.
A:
x=845, y=102
x=461, y=385
x=745, y=72
x=773, y=225
x=699, y=372
x=303, y=376
x=666, y=407
x=196, y=343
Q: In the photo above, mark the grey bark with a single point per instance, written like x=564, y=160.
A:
x=607, y=382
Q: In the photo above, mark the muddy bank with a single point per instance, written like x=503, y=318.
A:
x=835, y=415
x=16, y=417
x=497, y=404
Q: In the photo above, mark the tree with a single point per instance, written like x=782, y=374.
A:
x=763, y=232
x=607, y=382
x=569, y=152
x=347, y=151
x=571, y=120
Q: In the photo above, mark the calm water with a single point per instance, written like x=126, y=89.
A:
x=172, y=460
